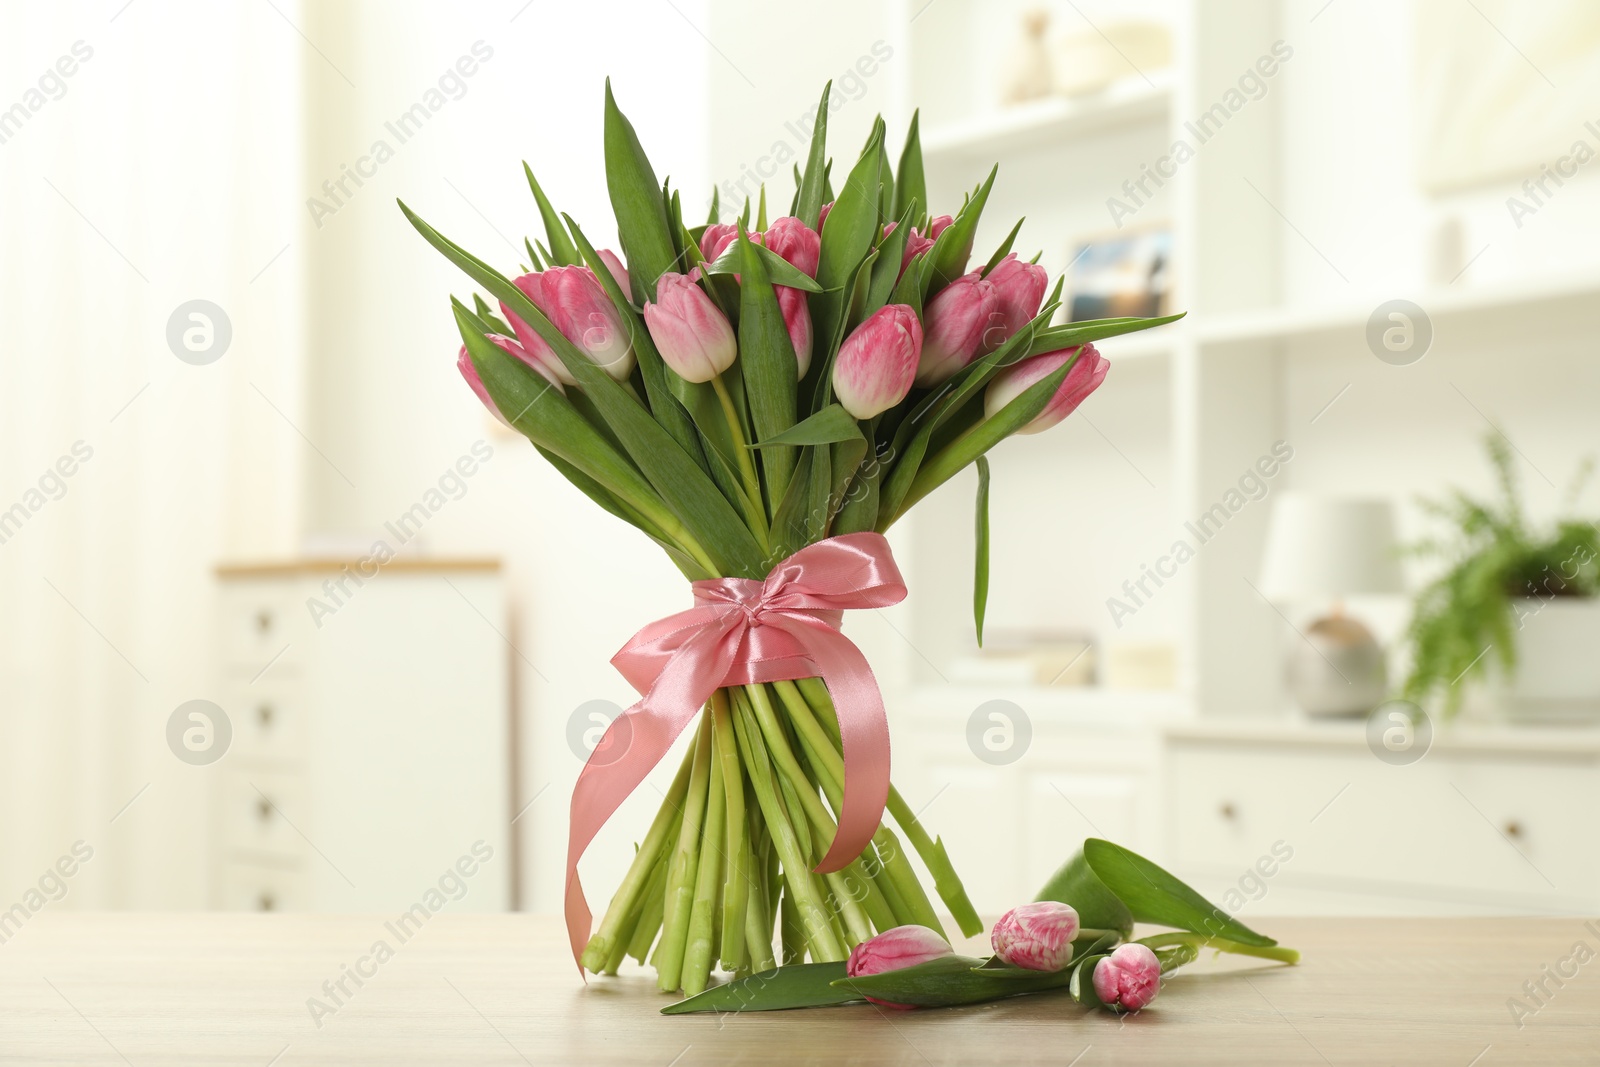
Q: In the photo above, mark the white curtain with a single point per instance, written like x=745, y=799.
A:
x=149, y=156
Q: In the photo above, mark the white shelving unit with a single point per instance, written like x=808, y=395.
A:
x=1273, y=349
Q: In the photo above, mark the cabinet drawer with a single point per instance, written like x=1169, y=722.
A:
x=259, y=887
x=260, y=811
x=261, y=623
x=1455, y=826
x=269, y=722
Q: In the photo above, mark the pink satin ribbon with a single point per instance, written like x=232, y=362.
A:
x=742, y=632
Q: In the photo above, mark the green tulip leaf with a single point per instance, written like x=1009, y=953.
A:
x=564, y=251
x=1113, y=887
x=637, y=203
x=911, y=187
x=799, y=985
x=832, y=423
x=950, y=980
x=812, y=193
x=779, y=270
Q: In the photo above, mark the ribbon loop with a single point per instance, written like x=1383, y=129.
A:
x=743, y=632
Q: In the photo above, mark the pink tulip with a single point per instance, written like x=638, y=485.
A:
x=1037, y=936
x=1084, y=378
x=894, y=950
x=618, y=271
x=878, y=361
x=692, y=334
x=823, y=216
x=958, y=325
x=716, y=239
x=1129, y=978
x=797, y=319
x=1020, y=287
x=795, y=242
x=469, y=371
x=938, y=224
x=574, y=302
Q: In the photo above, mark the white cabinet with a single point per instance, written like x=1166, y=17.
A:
x=370, y=744
x=1490, y=820
x=1087, y=769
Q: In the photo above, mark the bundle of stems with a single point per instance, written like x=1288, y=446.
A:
x=727, y=866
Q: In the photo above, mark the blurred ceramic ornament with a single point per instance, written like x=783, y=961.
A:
x=1027, y=70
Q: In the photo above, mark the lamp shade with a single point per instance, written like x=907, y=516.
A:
x=1326, y=546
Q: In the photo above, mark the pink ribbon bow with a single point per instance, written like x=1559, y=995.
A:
x=743, y=632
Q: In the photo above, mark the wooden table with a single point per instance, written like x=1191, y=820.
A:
x=221, y=989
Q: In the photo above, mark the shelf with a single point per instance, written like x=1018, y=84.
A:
x=1078, y=705
x=1569, y=292
x=1050, y=123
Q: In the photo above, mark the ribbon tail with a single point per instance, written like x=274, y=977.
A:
x=864, y=735
x=630, y=748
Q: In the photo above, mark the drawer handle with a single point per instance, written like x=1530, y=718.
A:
x=264, y=809
x=266, y=902
x=1514, y=829
x=1227, y=811
x=264, y=622
x=264, y=714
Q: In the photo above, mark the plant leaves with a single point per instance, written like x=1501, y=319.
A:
x=1004, y=249
x=636, y=202
x=1097, y=906
x=813, y=183
x=911, y=187
x=563, y=250
x=980, y=574
x=832, y=423
x=950, y=980
x=779, y=270
x=678, y=481
x=954, y=246
x=799, y=985
x=1153, y=895
x=849, y=234
x=770, y=368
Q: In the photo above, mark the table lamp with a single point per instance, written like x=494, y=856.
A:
x=1321, y=549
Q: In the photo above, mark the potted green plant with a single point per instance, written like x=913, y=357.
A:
x=1515, y=605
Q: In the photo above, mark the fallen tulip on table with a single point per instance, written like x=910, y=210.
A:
x=763, y=399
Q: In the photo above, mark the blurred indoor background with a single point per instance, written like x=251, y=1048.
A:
x=228, y=378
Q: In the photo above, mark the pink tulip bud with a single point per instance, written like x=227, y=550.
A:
x=938, y=224
x=1084, y=378
x=795, y=242
x=574, y=302
x=618, y=271
x=1037, y=936
x=797, y=319
x=916, y=244
x=960, y=325
x=878, y=361
x=583, y=312
x=895, y=950
x=1129, y=978
x=716, y=239
x=823, y=216
x=692, y=334
x=469, y=371
x=1020, y=287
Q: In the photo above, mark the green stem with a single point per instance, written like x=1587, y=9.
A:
x=819, y=931
x=945, y=880
x=685, y=862
x=747, y=466
x=655, y=906
x=737, y=888
x=1222, y=944
x=623, y=903
x=703, y=915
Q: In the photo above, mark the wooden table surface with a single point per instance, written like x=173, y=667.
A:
x=223, y=989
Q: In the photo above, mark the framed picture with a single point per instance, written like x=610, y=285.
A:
x=1120, y=273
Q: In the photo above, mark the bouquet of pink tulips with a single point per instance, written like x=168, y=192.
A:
x=762, y=399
